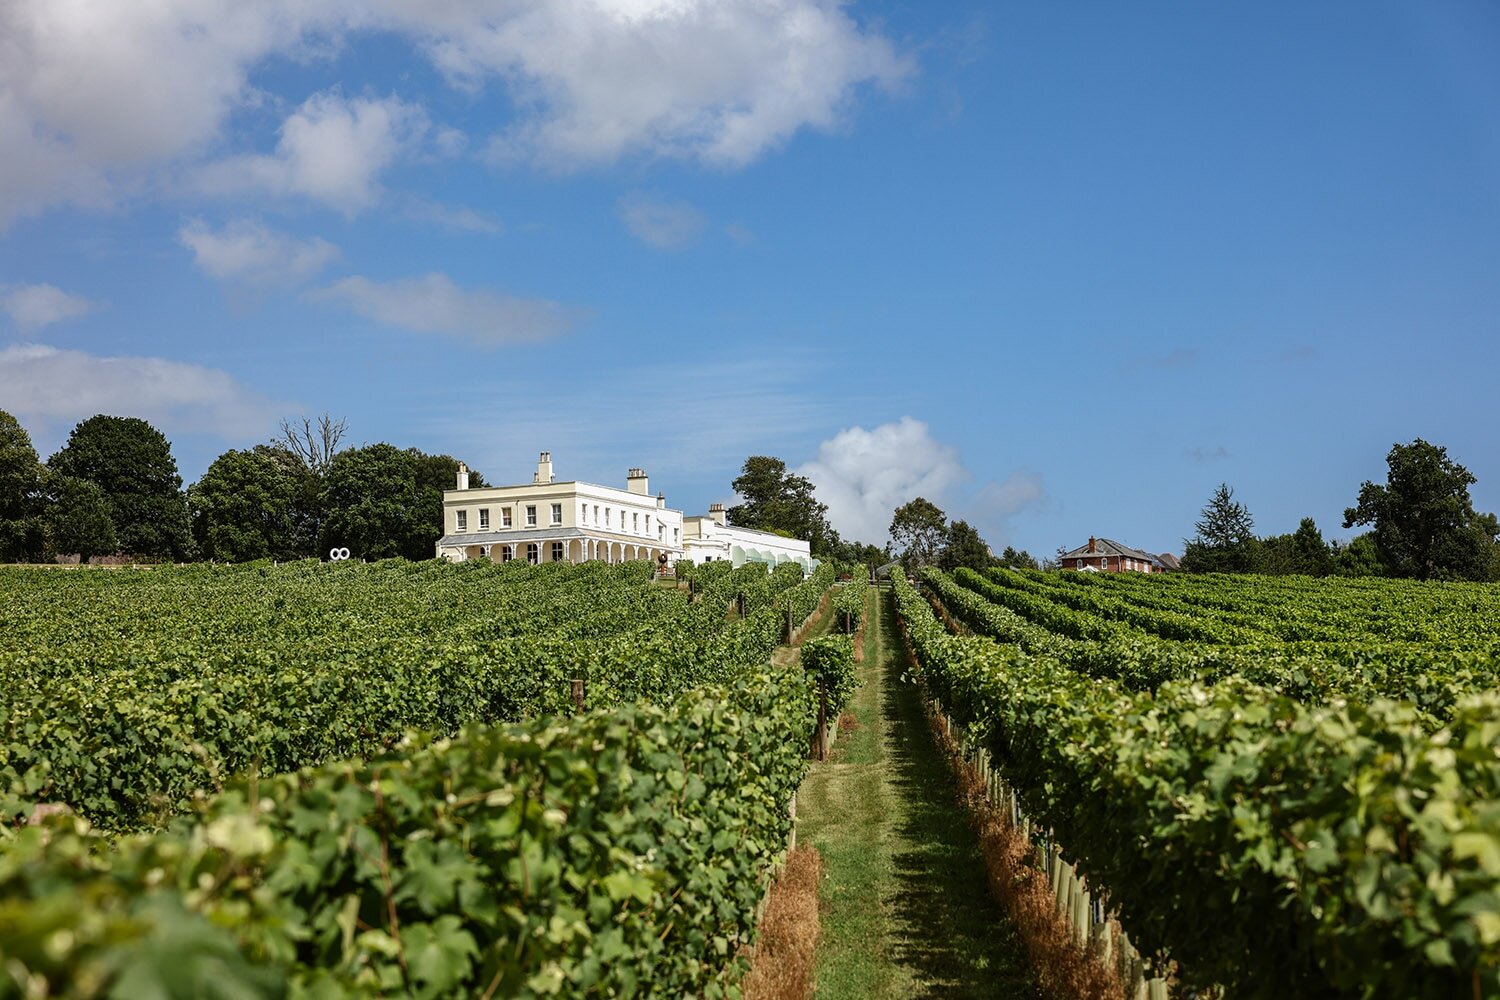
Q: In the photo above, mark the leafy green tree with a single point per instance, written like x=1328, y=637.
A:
x=374, y=505
x=78, y=518
x=132, y=462
x=1360, y=557
x=1225, y=540
x=1018, y=560
x=1303, y=551
x=21, y=498
x=918, y=530
x=964, y=547
x=1425, y=524
x=862, y=553
x=382, y=501
x=246, y=507
x=779, y=500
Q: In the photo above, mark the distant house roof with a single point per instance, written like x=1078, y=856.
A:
x=1109, y=547
x=1170, y=561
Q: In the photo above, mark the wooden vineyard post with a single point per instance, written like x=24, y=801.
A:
x=848, y=623
x=789, y=621
x=577, y=686
x=822, y=719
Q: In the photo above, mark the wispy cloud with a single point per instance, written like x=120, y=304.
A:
x=680, y=420
x=51, y=387
x=1206, y=456
x=32, y=307
x=434, y=304
x=457, y=217
x=659, y=222
x=1178, y=357
x=246, y=251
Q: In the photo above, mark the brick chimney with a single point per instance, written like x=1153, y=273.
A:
x=636, y=482
x=1092, y=547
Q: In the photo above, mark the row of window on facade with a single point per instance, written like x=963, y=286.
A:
x=558, y=551
x=533, y=552
x=1129, y=564
x=461, y=520
x=461, y=517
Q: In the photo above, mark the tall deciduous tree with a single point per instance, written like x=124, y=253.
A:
x=964, y=547
x=782, y=501
x=918, y=530
x=382, y=501
x=1303, y=551
x=21, y=499
x=78, y=519
x=1425, y=523
x=1225, y=540
x=246, y=507
x=1018, y=560
x=132, y=462
x=312, y=443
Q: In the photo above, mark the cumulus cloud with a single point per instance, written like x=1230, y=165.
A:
x=247, y=251
x=666, y=225
x=434, y=304
x=95, y=97
x=864, y=475
x=708, y=79
x=32, y=307
x=51, y=387
x=331, y=150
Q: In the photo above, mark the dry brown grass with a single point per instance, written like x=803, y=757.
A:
x=848, y=722
x=1064, y=970
x=781, y=963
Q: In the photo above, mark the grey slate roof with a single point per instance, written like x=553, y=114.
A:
x=1109, y=547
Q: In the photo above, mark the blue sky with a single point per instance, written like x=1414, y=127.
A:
x=1062, y=268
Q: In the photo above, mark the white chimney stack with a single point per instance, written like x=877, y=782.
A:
x=636, y=482
x=463, y=476
x=717, y=515
x=544, y=468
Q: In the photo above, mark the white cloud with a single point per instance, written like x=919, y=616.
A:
x=666, y=225
x=708, y=79
x=434, y=304
x=864, y=475
x=91, y=93
x=454, y=217
x=97, y=98
x=32, y=307
x=997, y=501
x=331, y=151
x=52, y=386
x=247, y=251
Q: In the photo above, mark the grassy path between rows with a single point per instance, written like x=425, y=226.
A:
x=904, y=904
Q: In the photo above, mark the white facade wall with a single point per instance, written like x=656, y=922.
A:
x=587, y=520
x=709, y=541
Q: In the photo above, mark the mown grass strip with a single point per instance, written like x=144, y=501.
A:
x=905, y=908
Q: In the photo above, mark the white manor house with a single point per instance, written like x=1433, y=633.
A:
x=549, y=521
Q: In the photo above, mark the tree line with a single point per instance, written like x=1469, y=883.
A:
x=114, y=487
x=1422, y=522
x=780, y=501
